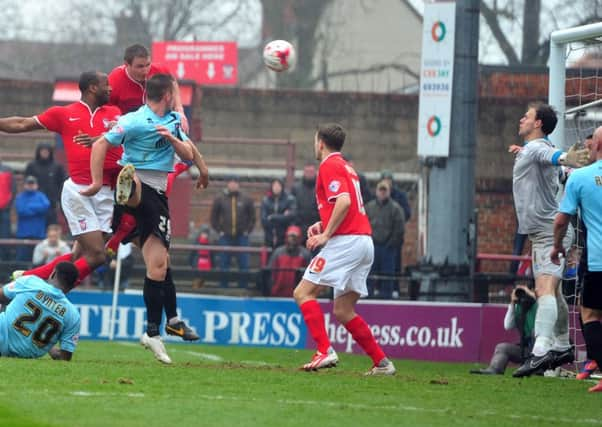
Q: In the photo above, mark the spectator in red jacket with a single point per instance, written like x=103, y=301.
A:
x=286, y=263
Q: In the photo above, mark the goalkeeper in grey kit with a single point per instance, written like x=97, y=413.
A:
x=535, y=187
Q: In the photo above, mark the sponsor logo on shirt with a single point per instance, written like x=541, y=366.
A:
x=334, y=186
x=72, y=119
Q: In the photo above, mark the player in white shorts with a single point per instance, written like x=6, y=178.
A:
x=343, y=263
x=79, y=123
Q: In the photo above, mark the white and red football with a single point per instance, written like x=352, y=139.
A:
x=279, y=55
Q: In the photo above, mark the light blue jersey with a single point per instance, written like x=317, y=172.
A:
x=143, y=147
x=37, y=317
x=584, y=190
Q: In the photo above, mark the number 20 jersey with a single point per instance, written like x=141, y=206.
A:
x=336, y=177
x=37, y=317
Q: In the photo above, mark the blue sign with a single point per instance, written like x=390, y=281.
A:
x=217, y=320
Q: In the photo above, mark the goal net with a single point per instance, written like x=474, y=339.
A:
x=575, y=90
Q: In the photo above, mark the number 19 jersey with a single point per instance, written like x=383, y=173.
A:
x=37, y=317
x=335, y=178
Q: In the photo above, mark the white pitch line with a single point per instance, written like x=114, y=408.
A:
x=81, y=393
x=401, y=408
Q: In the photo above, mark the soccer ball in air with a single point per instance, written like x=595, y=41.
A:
x=279, y=55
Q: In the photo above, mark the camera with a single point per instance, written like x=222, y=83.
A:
x=523, y=298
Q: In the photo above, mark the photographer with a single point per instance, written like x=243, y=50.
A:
x=520, y=315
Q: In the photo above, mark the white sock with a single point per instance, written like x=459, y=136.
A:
x=545, y=319
x=561, y=328
x=173, y=320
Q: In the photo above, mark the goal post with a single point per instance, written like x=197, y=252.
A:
x=559, y=43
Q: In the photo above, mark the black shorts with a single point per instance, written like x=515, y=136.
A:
x=152, y=217
x=591, y=294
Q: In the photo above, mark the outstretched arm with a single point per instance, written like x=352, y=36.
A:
x=17, y=124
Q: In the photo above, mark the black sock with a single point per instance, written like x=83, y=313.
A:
x=169, y=301
x=592, y=331
x=153, y=300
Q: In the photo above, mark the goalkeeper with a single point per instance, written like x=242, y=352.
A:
x=535, y=187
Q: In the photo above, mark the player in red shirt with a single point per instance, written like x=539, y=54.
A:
x=344, y=262
x=128, y=84
x=89, y=218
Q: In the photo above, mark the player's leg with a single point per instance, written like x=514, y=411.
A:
x=155, y=259
x=124, y=223
x=306, y=295
x=591, y=312
x=547, y=280
x=128, y=190
x=359, y=261
x=174, y=325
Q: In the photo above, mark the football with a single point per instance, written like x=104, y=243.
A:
x=279, y=55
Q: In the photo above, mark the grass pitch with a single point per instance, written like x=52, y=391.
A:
x=121, y=384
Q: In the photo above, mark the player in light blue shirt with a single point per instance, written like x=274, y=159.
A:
x=584, y=192
x=38, y=315
x=150, y=137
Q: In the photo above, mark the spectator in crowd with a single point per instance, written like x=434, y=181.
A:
x=51, y=247
x=286, y=262
x=307, y=208
x=7, y=195
x=278, y=211
x=50, y=176
x=364, y=186
x=402, y=199
x=520, y=315
x=233, y=218
x=387, y=221
x=201, y=259
x=32, y=207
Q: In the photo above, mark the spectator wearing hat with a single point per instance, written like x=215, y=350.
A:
x=278, y=211
x=402, y=200
x=287, y=262
x=387, y=221
x=32, y=207
x=233, y=218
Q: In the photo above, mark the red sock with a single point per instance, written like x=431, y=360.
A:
x=179, y=168
x=44, y=271
x=361, y=333
x=126, y=225
x=83, y=268
x=314, y=319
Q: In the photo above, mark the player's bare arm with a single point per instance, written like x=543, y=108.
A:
x=58, y=354
x=199, y=162
x=341, y=207
x=315, y=228
x=97, y=158
x=182, y=148
x=561, y=223
x=17, y=124
x=179, y=107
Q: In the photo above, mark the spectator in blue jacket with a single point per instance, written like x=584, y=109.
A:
x=32, y=207
x=278, y=211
